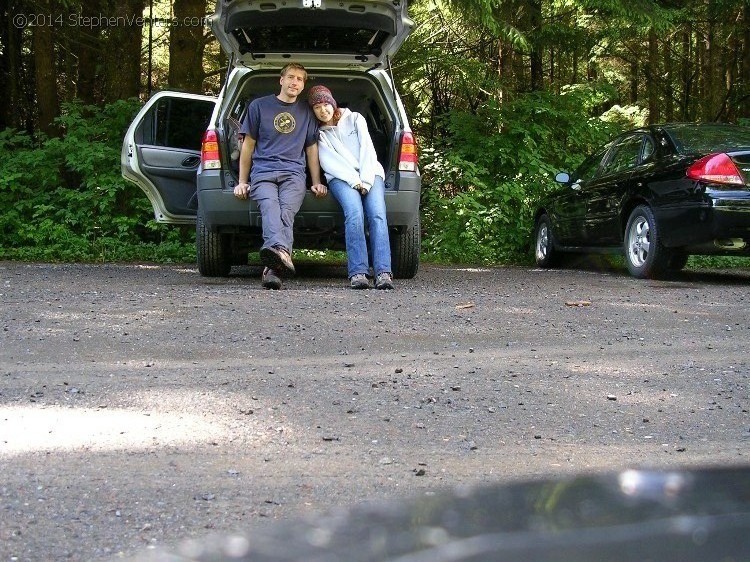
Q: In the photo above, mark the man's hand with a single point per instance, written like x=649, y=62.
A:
x=318, y=189
x=241, y=190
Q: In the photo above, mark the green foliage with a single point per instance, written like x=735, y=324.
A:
x=646, y=13
x=718, y=262
x=64, y=199
x=485, y=13
x=482, y=183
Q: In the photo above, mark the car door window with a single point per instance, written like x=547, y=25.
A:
x=588, y=169
x=648, y=148
x=176, y=123
x=624, y=155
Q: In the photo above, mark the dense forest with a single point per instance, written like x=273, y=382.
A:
x=501, y=95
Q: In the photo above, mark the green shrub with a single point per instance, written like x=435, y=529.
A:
x=482, y=183
x=64, y=199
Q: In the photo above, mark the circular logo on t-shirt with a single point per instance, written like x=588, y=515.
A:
x=284, y=122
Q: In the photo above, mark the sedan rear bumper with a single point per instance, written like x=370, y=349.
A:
x=719, y=225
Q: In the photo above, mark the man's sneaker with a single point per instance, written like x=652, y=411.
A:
x=270, y=279
x=384, y=280
x=277, y=257
x=359, y=281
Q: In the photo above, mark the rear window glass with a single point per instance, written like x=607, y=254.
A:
x=709, y=138
x=304, y=39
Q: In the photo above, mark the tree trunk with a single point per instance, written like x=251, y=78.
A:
x=122, y=51
x=745, y=63
x=45, y=74
x=88, y=52
x=686, y=73
x=668, y=87
x=552, y=63
x=534, y=32
x=506, y=55
x=731, y=62
x=634, y=79
x=652, y=77
x=186, y=44
x=708, y=68
x=6, y=28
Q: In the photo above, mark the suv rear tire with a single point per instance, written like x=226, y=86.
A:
x=405, y=249
x=214, y=250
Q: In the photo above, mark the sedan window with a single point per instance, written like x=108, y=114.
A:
x=648, y=148
x=692, y=139
x=588, y=169
x=624, y=155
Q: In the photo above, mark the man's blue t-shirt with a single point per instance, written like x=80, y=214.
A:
x=281, y=131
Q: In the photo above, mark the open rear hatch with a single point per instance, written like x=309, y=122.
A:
x=324, y=34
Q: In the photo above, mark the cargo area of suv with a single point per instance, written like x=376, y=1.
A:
x=183, y=149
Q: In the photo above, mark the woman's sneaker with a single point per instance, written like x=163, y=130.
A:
x=384, y=280
x=359, y=281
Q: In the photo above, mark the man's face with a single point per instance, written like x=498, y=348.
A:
x=292, y=83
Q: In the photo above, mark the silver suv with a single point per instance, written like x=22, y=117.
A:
x=182, y=149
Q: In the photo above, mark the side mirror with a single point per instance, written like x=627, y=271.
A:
x=562, y=177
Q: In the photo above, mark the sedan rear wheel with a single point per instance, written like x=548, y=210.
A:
x=644, y=253
x=544, y=248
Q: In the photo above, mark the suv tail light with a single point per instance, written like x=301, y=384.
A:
x=210, y=151
x=407, y=158
x=715, y=168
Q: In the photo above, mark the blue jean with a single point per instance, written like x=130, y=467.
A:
x=356, y=209
x=279, y=197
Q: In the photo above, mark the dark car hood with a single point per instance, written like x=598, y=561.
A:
x=635, y=515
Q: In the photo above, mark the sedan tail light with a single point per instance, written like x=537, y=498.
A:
x=715, y=168
x=210, y=151
x=407, y=158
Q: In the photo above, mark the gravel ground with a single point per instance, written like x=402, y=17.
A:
x=143, y=405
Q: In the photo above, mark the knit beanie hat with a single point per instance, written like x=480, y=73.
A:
x=320, y=94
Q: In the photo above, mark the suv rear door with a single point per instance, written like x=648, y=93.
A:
x=161, y=152
x=316, y=33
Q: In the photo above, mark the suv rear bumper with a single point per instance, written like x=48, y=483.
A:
x=222, y=210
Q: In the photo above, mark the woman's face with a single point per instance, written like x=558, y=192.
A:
x=324, y=112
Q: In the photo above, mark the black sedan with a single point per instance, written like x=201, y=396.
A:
x=659, y=193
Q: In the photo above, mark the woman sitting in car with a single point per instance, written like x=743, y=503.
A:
x=356, y=179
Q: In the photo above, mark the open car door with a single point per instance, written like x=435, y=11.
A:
x=161, y=152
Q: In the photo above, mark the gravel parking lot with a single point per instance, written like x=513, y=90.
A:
x=141, y=405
